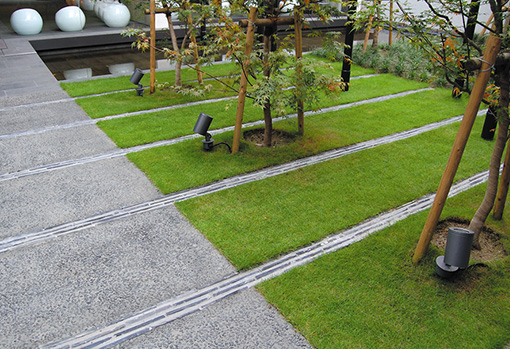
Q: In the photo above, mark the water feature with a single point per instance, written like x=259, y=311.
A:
x=120, y=60
x=93, y=63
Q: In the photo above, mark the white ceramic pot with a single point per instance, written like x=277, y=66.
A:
x=116, y=15
x=70, y=19
x=97, y=4
x=88, y=5
x=26, y=21
x=122, y=68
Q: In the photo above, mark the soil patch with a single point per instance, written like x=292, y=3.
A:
x=256, y=136
x=491, y=246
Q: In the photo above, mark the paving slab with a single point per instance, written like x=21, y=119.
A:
x=31, y=98
x=40, y=149
x=89, y=278
x=230, y=323
x=66, y=286
x=63, y=196
x=39, y=115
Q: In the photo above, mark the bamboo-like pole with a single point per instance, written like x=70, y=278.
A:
x=250, y=33
x=153, y=46
x=491, y=17
x=268, y=21
x=298, y=23
x=493, y=45
x=369, y=28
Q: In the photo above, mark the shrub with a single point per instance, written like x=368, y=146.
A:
x=401, y=58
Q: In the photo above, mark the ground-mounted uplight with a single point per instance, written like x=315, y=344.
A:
x=201, y=127
x=457, y=252
x=135, y=79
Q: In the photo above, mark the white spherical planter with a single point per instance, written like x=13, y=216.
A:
x=97, y=5
x=70, y=19
x=26, y=21
x=88, y=5
x=116, y=15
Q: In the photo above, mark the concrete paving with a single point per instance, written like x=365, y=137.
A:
x=88, y=279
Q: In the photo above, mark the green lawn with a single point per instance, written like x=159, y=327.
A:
x=151, y=127
x=258, y=221
x=182, y=165
x=109, y=84
x=128, y=101
x=369, y=295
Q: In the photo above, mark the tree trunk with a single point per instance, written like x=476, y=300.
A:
x=268, y=121
x=269, y=46
x=178, y=76
x=483, y=211
x=175, y=46
x=195, y=50
x=499, y=205
x=375, y=37
x=367, y=33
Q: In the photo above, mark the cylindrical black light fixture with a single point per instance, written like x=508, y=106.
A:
x=137, y=76
x=135, y=79
x=457, y=252
x=203, y=123
x=458, y=247
x=201, y=127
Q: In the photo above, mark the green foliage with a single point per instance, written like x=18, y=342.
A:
x=304, y=80
x=444, y=44
x=401, y=58
x=331, y=49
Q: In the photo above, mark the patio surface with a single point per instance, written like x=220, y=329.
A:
x=72, y=284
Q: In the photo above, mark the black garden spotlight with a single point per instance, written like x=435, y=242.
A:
x=135, y=79
x=201, y=127
x=457, y=252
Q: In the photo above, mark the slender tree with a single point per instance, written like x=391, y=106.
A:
x=449, y=46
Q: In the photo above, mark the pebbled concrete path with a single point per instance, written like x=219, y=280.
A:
x=79, y=282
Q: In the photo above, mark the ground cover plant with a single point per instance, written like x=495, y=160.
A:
x=401, y=58
x=371, y=295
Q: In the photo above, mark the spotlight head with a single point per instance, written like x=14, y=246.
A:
x=135, y=79
x=201, y=127
x=137, y=76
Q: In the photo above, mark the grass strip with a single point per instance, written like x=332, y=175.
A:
x=129, y=101
x=152, y=127
x=258, y=221
x=370, y=295
x=119, y=83
x=181, y=166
